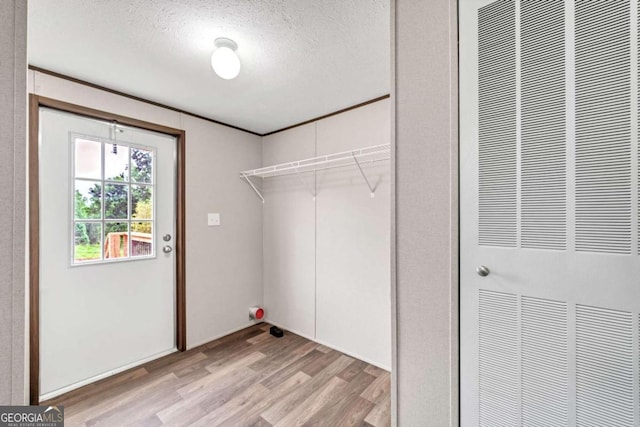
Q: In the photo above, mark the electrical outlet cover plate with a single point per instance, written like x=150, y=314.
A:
x=213, y=219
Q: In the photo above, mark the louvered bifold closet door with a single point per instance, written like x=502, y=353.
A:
x=549, y=213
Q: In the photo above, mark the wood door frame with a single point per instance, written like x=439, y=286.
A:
x=35, y=102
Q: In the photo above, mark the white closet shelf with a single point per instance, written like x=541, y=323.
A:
x=358, y=158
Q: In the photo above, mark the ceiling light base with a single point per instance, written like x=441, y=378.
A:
x=225, y=61
x=225, y=42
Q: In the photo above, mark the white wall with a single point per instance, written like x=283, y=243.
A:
x=13, y=123
x=326, y=268
x=426, y=202
x=289, y=234
x=223, y=264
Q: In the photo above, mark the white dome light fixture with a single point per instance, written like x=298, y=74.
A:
x=225, y=61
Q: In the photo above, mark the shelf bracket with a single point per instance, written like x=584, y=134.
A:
x=304, y=184
x=371, y=189
x=253, y=186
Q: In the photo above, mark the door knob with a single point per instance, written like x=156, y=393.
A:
x=482, y=271
x=167, y=249
x=166, y=237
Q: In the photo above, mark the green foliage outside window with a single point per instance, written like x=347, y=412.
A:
x=116, y=206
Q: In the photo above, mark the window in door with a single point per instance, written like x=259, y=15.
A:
x=113, y=204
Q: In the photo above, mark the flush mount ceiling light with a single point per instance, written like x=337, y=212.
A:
x=225, y=61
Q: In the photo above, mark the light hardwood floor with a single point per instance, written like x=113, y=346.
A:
x=249, y=378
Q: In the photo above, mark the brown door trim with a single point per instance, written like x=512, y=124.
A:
x=35, y=102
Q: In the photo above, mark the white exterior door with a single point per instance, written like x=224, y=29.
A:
x=549, y=205
x=107, y=287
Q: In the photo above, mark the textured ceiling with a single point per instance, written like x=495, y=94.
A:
x=300, y=59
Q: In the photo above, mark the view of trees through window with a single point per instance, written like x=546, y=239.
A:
x=113, y=209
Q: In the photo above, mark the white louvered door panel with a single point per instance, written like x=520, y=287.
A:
x=550, y=205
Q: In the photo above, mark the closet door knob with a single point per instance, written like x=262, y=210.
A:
x=482, y=271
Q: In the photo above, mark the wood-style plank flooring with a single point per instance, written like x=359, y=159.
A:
x=249, y=378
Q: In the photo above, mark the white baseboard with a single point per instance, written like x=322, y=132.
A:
x=224, y=334
x=286, y=328
x=109, y=373
x=352, y=354
x=331, y=346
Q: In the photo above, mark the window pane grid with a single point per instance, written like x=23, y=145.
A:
x=113, y=216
